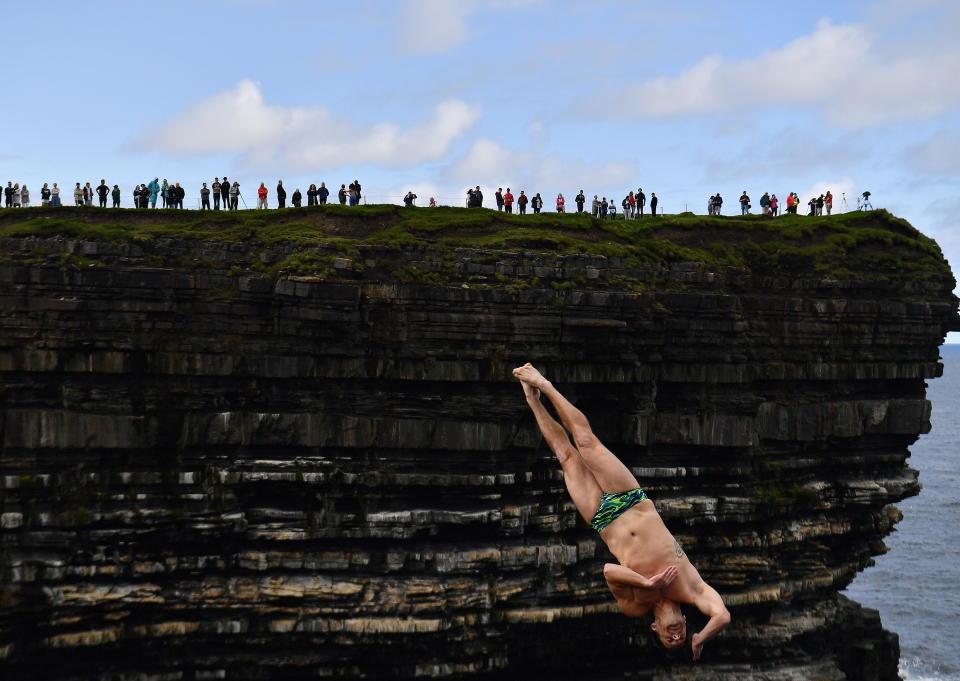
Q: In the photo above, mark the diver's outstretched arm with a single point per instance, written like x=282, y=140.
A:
x=708, y=602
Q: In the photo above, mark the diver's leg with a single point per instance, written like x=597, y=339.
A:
x=581, y=484
x=609, y=471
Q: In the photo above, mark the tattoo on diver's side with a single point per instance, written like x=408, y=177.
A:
x=676, y=544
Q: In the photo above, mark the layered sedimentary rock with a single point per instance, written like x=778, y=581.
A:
x=211, y=473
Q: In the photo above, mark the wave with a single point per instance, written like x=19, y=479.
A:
x=926, y=676
x=914, y=668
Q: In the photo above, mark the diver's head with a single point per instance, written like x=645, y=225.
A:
x=669, y=624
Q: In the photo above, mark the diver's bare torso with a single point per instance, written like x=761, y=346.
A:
x=640, y=541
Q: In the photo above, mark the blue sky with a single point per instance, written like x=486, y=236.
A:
x=682, y=98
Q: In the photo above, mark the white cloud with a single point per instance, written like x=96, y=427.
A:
x=840, y=188
x=850, y=72
x=488, y=164
x=424, y=189
x=433, y=26
x=307, y=138
x=611, y=176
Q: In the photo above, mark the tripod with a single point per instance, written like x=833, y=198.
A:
x=843, y=203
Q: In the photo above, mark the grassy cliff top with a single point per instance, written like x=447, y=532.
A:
x=854, y=245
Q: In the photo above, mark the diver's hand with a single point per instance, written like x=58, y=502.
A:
x=664, y=579
x=696, y=643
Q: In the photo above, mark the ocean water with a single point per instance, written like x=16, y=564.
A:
x=916, y=586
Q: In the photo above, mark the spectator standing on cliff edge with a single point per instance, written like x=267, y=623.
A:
x=765, y=203
x=653, y=204
x=225, y=192
x=102, y=192
x=281, y=195
x=653, y=573
x=154, y=189
x=262, y=197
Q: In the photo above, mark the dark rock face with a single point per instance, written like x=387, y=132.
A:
x=209, y=476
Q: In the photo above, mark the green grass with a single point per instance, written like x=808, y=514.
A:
x=871, y=245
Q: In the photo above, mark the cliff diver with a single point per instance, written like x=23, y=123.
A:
x=654, y=574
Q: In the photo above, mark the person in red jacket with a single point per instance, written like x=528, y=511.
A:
x=561, y=204
x=262, y=197
x=522, y=203
x=828, y=202
x=508, y=201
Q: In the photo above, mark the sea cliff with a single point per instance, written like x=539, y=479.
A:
x=289, y=446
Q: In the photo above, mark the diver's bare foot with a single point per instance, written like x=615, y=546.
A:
x=532, y=394
x=528, y=374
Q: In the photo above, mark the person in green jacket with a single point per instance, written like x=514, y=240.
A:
x=116, y=196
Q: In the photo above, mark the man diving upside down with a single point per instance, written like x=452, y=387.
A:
x=654, y=574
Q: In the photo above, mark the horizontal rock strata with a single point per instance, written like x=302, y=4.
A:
x=209, y=474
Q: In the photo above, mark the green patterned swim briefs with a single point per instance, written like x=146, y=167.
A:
x=612, y=506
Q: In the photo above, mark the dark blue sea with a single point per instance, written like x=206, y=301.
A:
x=916, y=586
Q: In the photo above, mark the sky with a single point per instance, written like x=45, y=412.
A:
x=683, y=99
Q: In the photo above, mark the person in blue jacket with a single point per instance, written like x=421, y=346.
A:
x=154, y=189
